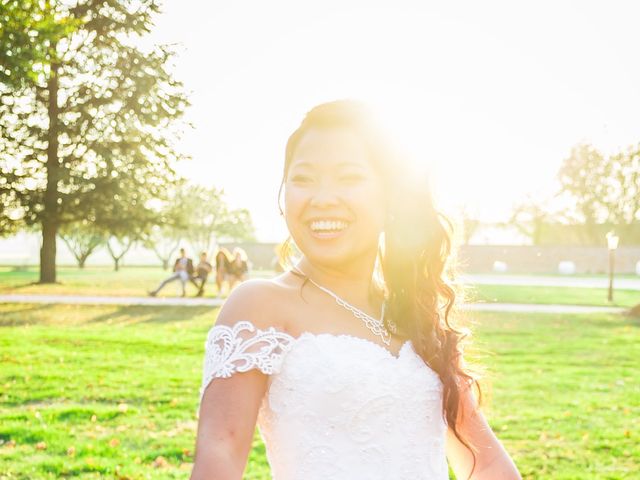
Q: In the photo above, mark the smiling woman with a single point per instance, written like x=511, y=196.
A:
x=319, y=356
x=334, y=198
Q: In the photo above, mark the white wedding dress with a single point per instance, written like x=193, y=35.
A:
x=337, y=407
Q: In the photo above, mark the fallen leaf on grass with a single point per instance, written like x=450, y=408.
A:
x=41, y=446
x=160, y=462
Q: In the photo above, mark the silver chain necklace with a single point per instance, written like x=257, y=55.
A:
x=373, y=324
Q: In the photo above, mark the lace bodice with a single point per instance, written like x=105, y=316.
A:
x=337, y=407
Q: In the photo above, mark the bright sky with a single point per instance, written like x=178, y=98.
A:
x=491, y=95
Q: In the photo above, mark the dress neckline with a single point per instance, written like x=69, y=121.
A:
x=363, y=340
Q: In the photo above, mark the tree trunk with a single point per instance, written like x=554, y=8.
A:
x=116, y=262
x=50, y=214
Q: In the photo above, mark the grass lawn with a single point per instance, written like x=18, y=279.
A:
x=129, y=281
x=136, y=281
x=552, y=295
x=111, y=392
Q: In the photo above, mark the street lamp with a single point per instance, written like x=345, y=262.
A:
x=612, y=244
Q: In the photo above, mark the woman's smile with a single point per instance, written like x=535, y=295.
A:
x=328, y=228
x=334, y=199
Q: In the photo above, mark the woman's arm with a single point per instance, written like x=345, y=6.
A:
x=229, y=406
x=492, y=460
x=226, y=424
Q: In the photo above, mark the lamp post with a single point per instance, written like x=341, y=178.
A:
x=612, y=244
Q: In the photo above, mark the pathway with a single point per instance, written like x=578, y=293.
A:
x=216, y=302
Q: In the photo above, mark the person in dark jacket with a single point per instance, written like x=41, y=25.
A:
x=182, y=270
x=238, y=267
x=203, y=269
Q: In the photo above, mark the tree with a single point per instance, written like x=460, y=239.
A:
x=622, y=189
x=83, y=108
x=10, y=212
x=530, y=217
x=604, y=190
x=469, y=222
x=197, y=214
x=172, y=217
x=164, y=241
x=211, y=219
x=582, y=178
x=82, y=239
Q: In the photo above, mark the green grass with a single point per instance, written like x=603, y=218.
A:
x=563, y=392
x=111, y=392
x=136, y=281
x=128, y=281
x=552, y=295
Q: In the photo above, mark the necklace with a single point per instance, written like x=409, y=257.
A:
x=373, y=324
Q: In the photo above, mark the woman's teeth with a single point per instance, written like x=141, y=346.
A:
x=328, y=225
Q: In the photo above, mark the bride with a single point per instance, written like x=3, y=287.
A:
x=347, y=362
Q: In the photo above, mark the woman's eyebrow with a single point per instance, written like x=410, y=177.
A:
x=343, y=164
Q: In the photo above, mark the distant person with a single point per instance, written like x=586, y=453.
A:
x=203, y=269
x=182, y=270
x=223, y=260
x=238, y=268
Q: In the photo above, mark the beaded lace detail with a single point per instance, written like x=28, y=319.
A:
x=239, y=349
x=338, y=406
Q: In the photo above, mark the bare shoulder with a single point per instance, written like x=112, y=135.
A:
x=263, y=302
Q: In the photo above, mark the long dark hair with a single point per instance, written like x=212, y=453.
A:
x=415, y=258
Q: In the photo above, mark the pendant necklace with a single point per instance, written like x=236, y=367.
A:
x=373, y=324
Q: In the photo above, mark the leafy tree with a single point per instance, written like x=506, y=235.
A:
x=530, y=217
x=82, y=239
x=10, y=212
x=469, y=222
x=164, y=240
x=83, y=109
x=210, y=219
x=582, y=178
x=238, y=226
x=623, y=187
x=172, y=217
x=118, y=248
x=604, y=190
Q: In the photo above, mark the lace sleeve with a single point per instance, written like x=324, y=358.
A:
x=240, y=348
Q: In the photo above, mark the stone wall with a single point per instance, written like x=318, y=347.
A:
x=518, y=258
x=532, y=259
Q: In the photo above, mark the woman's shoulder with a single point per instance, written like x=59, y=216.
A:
x=262, y=302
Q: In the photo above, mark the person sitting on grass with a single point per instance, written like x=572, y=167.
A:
x=182, y=270
x=203, y=269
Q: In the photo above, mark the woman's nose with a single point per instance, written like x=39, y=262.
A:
x=323, y=197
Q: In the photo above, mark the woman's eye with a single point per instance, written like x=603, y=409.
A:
x=301, y=179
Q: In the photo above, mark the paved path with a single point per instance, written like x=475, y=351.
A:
x=216, y=302
x=105, y=300
x=550, y=281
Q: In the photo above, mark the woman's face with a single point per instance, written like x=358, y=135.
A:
x=334, y=198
